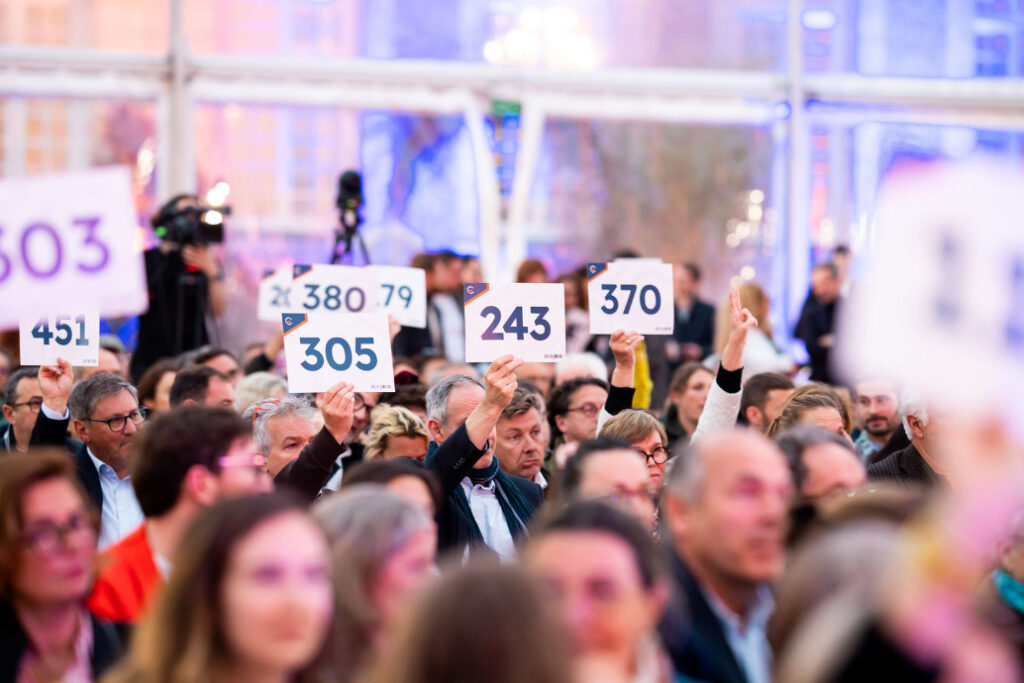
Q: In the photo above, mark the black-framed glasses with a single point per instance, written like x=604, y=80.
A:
x=47, y=537
x=34, y=405
x=659, y=456
x=358, y=402
x=588, y=409
x=118, y=423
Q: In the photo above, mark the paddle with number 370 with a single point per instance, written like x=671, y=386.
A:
x=322, y=349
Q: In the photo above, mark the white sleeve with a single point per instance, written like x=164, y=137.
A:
x=720, y=412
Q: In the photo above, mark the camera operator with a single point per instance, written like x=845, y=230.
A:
x=185, y=282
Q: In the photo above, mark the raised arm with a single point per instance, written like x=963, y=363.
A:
x=310, y=471
x=620, y=394
x=55, y=382
x=723, y=404
x=464, y=447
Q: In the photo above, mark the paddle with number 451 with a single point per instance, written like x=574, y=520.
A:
x=322, y=349
x=526, y=320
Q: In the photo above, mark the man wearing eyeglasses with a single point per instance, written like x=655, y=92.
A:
x=185, y=460
x=105, y=415
x=21, y=405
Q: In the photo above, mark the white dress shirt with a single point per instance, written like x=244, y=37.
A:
x=121, y=513
x=748, y=639
x=483, y=502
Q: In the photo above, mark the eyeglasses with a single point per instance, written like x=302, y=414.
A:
x=588, y=409
x=255, y=461
x=659, y=456
x=34, y=405
x=118, y=423
x=267, y=406
x=358, y=402
x=48, y=537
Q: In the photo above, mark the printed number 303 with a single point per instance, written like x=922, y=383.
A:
x=514, y=323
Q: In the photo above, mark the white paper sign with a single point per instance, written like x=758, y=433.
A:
x=525, y=320
x=275, y=295
x=333, y=289
x=322, y=349
x=403, y=293
x=75, y=338
x=70, y=238
x=632, y=294
x=941, y=307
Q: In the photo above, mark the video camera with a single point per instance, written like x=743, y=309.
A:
x=186, y=220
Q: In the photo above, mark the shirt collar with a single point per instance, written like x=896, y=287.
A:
x=758, y=612
x=102, y=467
x=540, y=480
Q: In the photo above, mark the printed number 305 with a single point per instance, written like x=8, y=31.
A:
x=335, y=345
x=514, y=323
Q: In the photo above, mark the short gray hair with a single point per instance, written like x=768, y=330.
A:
x=369, y=521
x=589, y=360
x=285, y=406
x=911, y=403
x=684, y=475
x=89, y=392
x=257, y=385
x=437, y=397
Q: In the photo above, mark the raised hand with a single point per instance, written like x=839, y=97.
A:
x=623, y=344
x=337, y=409
x=55, y=383
x=742, y=320
x=500, y=381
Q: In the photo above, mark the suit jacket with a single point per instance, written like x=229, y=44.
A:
x=106, y=645
x=816, y=321
x=906, y=467
x=698, y=328
x=7, y=440
x=307, y=473
x=451, y=461
x=47, y=432
x=694, y=636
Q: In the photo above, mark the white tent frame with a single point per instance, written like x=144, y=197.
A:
x=176, y=81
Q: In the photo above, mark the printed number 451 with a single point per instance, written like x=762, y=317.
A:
x=514, y=323
x=64, y=333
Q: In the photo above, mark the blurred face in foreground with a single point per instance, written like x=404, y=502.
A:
x=732, y=533
x=595, y=581
x=620, y=476
x=830, y=469
x=277, y=596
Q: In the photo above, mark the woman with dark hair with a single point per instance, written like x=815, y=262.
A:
x=250, y=598
x=48, y=537
x=614, y=628
x=480, y=623
x=687, y=394
x=155, y=386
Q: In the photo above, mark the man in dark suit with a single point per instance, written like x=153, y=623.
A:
x=482, y=506
x=724, y=511
x=918, y=463
x=21, y=405
x=104, y=412
x=695, y=319
x=817, y=320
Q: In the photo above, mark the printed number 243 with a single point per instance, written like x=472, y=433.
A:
x=514, y=323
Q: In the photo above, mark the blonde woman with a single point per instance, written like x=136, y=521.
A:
x=760, y=353
x=396, y=432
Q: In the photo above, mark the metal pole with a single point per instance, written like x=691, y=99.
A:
x=179, y=158
x=797, y=231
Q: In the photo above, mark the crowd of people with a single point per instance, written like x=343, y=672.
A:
x=650, y=509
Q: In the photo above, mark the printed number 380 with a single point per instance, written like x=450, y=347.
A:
x=514, y=323
x=335, y=345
